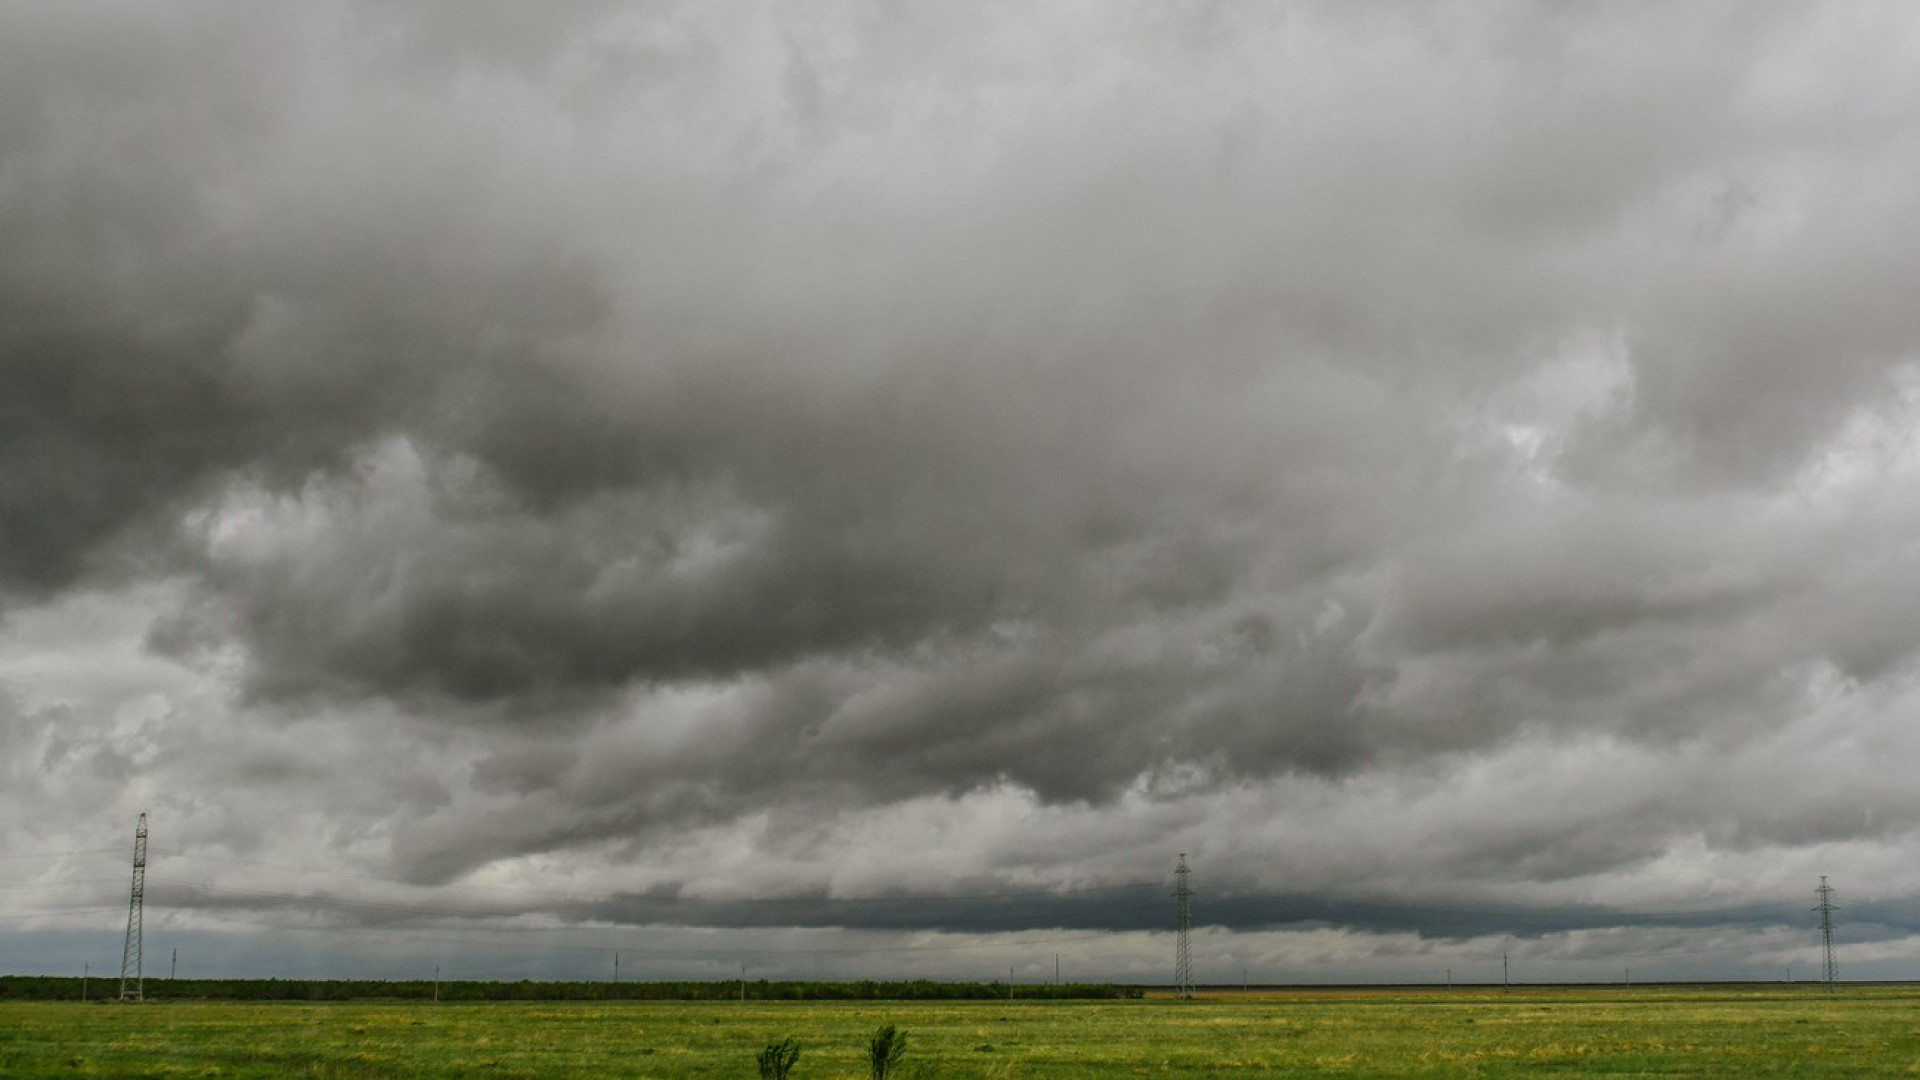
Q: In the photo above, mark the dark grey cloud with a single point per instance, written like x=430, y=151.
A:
x=514, y=437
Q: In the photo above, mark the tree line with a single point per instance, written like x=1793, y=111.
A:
x=66, y=988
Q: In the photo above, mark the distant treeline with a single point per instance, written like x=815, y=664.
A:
x=62, y=988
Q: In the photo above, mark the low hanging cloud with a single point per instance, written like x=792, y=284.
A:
x=609, y=427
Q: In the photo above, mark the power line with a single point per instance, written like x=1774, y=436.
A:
x=57, y=883
x=61, y=914
x=1325, y=909
x=534, y=908
x=334, y=901
x=1253, y=891
x=1111, y=910
x=58, y=854
x=1041, y=919
x=551, y=899
x=601, y=947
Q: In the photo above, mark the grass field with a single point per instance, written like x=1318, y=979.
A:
x=1621, y=1032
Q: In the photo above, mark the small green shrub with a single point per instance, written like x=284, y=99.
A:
x=778, y=1058
x=885, y=1050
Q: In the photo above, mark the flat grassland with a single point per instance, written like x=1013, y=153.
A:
x=1725, y=1031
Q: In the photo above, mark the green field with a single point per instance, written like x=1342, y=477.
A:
x=1620, y=1032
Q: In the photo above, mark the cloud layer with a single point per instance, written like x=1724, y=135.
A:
x=1407, y=456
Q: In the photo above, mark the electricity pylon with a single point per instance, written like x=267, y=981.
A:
x=1183, y=922
x=133, y=981
x=1830, y=973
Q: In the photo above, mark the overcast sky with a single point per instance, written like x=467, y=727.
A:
x=862, y=487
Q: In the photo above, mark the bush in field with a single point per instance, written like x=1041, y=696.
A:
x=778, y=1058
x=885, y=1050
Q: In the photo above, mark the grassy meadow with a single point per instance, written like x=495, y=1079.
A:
x=1617, y=1032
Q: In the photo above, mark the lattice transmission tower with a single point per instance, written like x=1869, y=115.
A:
x=133, y=983
x=1830, y=972
x=1183, y=924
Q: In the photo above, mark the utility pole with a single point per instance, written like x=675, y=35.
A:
x=1505, y=983
x=616, y=965
x=436, y=982
x=743, y=983
x=1183, y=924
x=173, y=969
x=1831, y=972
x=133, y=982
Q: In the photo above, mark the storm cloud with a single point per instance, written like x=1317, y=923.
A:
x=1421, y=459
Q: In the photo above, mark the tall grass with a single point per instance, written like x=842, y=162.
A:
x=884, y=1051
x=1641, y=1032
x=778, y=1059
